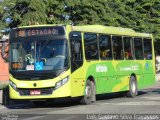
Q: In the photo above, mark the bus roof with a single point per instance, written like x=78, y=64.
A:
x=110, y=30
x=99, y=29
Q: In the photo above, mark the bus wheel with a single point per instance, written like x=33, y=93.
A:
x=90, y=95
x=5, y=97
x=132, y=87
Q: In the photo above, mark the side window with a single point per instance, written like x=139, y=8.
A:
x=138, y=49
x=76, y=50
x=147, y=48
x=117, y=47
x=105, y=47
x=128, y=52
x=91, y=46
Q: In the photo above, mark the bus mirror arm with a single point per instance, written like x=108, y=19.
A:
x=44, y=59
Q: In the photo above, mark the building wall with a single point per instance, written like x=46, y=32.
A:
x=4, y=71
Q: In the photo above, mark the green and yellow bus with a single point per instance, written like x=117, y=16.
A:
x=59, y=61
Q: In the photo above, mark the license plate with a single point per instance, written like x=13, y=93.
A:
x=35, y=92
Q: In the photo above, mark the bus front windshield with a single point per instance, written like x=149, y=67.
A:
x=39, y=55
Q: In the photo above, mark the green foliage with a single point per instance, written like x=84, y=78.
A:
x=140, y=15
x=5, y=8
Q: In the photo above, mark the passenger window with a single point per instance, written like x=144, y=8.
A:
x=105, y=47
x=128, y=53
x=117, y=47
x=138, y=49
x=147, y=48
x=91, y=46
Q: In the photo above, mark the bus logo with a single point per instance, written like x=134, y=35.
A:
x=101, y=68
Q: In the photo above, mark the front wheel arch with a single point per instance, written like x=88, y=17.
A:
x=89, y=92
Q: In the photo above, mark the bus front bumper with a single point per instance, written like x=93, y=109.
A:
x=40, y=93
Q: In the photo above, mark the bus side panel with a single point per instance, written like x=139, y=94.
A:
x=108, y=76
x=126, y=68
x=148, y=73
x=142, y=69
x=114, y=76
x=78, y=81
x=104, y=74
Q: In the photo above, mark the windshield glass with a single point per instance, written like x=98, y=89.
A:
x=39, y=55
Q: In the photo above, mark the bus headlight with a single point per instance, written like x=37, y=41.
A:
x=13, y=85
x=61, y=82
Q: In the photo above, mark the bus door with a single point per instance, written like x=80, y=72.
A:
x=77, y=71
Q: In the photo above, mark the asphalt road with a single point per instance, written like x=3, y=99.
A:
x=114, y=106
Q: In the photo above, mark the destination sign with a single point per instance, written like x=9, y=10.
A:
x=42, y=31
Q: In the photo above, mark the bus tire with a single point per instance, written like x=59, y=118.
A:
x=133, y=90
x=90, y=94
x=5, y=97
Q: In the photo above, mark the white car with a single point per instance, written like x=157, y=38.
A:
x=157, y=63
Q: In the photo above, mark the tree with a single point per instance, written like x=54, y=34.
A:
x=140, y=15
x=5, y=12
